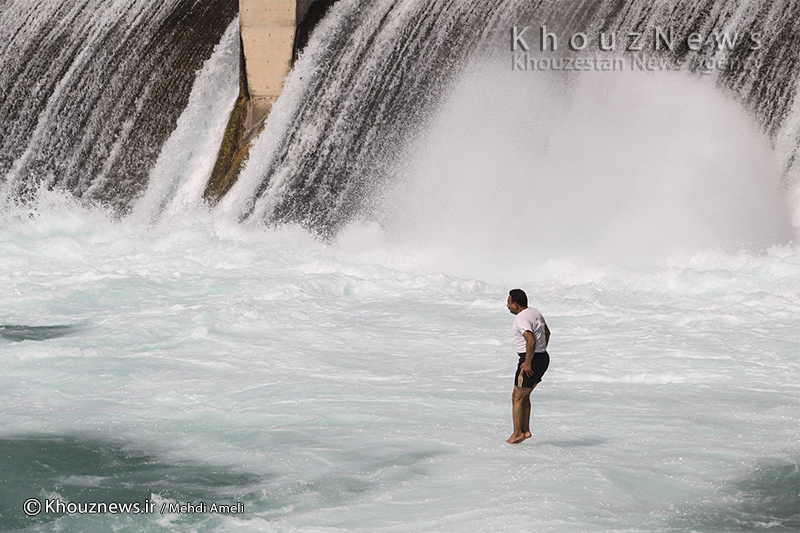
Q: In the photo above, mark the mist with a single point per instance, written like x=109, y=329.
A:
x=526, y=166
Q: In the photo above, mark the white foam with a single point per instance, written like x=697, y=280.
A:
x=361, y=390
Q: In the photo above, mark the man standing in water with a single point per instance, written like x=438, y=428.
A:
x=531, y=337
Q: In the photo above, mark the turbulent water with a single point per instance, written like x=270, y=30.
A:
x=180, y=355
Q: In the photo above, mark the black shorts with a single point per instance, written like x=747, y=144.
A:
x=539, y=364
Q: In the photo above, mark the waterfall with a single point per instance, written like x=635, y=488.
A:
x=91, y=89
x=374, y=73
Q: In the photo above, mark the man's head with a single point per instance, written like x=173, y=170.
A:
x=517, y=301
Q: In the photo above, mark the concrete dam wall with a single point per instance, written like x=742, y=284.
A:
x=272, y=32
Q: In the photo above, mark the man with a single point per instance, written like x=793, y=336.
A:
x=531, y=337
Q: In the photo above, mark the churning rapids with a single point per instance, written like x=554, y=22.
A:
x=329, y=346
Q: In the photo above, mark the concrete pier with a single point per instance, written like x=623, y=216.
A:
x=267, y=30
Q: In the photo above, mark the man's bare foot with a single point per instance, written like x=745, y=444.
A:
x=516, y=438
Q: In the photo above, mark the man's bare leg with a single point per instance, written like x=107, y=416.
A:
x=519, y=397
x=526, y=415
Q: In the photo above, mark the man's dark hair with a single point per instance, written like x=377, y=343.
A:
x=519, y=297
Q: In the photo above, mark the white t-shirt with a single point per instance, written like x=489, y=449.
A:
x=529, y=319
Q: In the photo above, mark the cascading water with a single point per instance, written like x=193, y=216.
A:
x=70, y=66
x=90, y=90
x=182, y=355
x=320, y=160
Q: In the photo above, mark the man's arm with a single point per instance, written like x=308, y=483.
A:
x=530, y=346
x=546, y=336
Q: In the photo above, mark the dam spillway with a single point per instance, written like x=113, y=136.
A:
x=92, y=116
x=91, y=90
x=269, y=43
